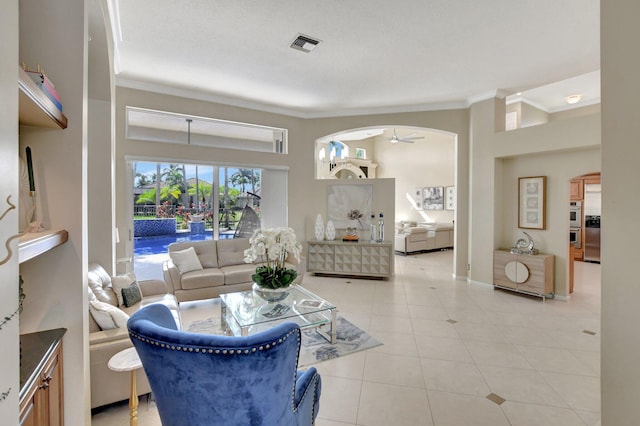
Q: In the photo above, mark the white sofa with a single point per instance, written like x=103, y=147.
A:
x=109, y=386
x=411, y=237
x=220, y=268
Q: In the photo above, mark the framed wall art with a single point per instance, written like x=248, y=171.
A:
x=433, y=198
x=344, y=200
x=450, y=198
x=532, y=202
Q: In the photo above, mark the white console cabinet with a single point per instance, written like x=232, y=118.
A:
x=349, y=258
x=524, y=273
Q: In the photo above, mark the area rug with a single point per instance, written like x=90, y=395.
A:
x=315, y=348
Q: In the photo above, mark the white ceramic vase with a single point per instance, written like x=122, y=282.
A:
x=319, y=228
x=330, y=231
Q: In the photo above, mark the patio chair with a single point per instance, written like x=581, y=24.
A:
x=201, y=379
x=248, y=223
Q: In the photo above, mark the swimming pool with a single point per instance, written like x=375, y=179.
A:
x=143, y=246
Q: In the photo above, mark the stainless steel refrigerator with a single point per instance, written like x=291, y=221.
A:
x=592, y=223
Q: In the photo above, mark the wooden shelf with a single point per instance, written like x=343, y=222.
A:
x=36, y=109
x=34, y=244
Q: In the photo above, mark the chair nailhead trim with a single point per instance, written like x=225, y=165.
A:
x=216, y=351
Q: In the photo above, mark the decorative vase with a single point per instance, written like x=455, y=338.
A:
x=319, y=228
x=271, y=294
x=330, y=231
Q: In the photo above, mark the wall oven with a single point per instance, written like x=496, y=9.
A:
x=575, y=237
x=575, y=214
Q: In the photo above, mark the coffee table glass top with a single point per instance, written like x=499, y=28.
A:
x=248, y=309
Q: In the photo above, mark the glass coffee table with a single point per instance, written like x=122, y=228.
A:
x=245, y=312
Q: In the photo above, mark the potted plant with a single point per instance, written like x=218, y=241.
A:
x=272, y=247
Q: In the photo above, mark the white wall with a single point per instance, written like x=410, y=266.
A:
x=100, y=181
x=559, y=168
x=620, y=60
x=9, y=333
x=426, y=162
x=499, y=158
x=304, y=189
x=55, y=283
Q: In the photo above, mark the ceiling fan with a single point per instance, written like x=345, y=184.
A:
x=407, y=139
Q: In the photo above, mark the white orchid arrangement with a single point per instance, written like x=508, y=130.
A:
x=273, y=246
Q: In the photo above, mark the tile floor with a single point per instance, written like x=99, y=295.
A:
x=453, y=354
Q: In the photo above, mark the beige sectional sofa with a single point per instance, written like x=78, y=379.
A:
x=219, y=268
x=412, y=237
x=109, y=386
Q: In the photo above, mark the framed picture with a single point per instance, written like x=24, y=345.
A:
x=532, y=202
x=361, y=153
x=450, y=198
x=433, y=198
x=350, y=205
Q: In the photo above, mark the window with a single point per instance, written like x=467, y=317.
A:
x=168, y=127
x=191, y=193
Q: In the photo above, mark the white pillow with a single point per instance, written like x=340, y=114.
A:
x=107, y=316
x=122, y=281
x=186, y=260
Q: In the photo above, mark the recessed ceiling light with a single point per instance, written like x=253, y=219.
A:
x=573, y=99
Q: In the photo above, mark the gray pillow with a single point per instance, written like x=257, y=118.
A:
x=131, y=295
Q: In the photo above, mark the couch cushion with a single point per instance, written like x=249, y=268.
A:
x=122, y=281
x=210, y=277
x=237, y=274
x=231, y=252
x=206, y=251
x=100, y=284
x=108, y=316
x=186, y=260
x=131, y=295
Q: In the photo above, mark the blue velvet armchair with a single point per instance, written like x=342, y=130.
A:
x=201, y=379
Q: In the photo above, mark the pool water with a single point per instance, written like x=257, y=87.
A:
x=143, y=246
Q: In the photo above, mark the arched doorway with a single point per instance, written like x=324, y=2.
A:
x=419, y=158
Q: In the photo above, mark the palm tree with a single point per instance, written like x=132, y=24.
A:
x=202, y=189
x=143, y=180
x=174, y=176
x=166, y=193
x=242, y=177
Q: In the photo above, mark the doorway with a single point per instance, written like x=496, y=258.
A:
x=174, y=202
x=584, y=222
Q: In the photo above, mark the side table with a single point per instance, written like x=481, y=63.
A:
x=128, y=360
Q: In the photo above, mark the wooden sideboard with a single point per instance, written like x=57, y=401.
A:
x=41, y=386
x=350, y=258
x=525, y=273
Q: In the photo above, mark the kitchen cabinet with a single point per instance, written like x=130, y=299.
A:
x=349, y=258
x=524, y=273
x=41, y=388
x=576, y=192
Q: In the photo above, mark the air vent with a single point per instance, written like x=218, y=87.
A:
x=304, y=43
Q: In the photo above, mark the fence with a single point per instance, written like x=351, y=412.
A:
x=227, y=218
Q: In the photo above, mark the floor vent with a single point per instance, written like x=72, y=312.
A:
x=304, y=43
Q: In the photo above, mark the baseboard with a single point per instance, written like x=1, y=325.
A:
x=479, y=283
x=562, y=298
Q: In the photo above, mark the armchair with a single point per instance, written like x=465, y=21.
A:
x=201, y=379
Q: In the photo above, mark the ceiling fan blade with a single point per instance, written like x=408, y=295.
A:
x=405, y=140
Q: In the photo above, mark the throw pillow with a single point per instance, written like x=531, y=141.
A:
x=186, y=260
x=131, y=295
x=107, y=316
x=122, y=281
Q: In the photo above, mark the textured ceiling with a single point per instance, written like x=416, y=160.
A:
x=375, y=55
